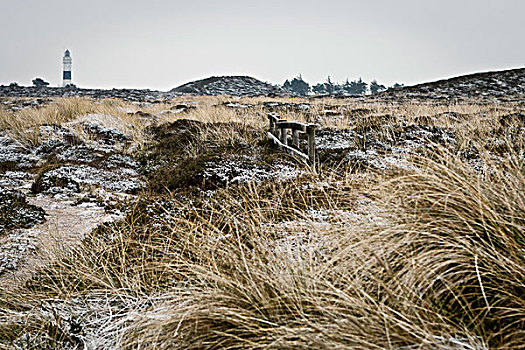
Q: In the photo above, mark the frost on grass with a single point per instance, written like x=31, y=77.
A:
x=15, y=247
x=327, y=140
x=95, y=321
x=237, y=105
x=15, y=212
x=13, y=155
x=88, y=151
x=381, y=147
x=312, y=234
x=90, y=128
x=103, y=124
x=246, y=169
x=14, y=180
x=72, y=179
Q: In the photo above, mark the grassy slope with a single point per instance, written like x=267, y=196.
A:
x=440, y=264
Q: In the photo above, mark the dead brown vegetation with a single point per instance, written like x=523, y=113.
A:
x=428, y=258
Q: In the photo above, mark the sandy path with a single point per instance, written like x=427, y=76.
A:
x=28, y=249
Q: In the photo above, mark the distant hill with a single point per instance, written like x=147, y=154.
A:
x=501, y=85
x=229, y=85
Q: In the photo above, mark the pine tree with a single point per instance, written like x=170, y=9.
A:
x=297, y=86
x=375, y=87
x=355, y=87
x=346, y=87
x=361, y=87
x=329, y=86
x=319, y=89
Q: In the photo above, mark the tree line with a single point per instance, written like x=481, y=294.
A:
x=297, y=86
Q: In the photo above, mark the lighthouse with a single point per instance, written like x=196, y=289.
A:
x=66, y=75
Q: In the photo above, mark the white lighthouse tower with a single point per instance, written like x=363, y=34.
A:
x=66, y=75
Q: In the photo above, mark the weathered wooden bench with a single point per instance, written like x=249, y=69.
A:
x=279, y=133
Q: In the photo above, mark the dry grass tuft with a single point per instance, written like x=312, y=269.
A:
x=459, y=243
x=24, y=125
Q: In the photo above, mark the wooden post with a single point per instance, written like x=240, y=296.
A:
x=272, y=125
x=311, y=145
x=295, y=138
x=284, y=136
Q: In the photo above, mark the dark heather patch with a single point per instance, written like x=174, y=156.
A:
x=187, y=173
x=211, y=164
x=15, y=212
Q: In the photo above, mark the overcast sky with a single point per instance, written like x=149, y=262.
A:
x=160, y=44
